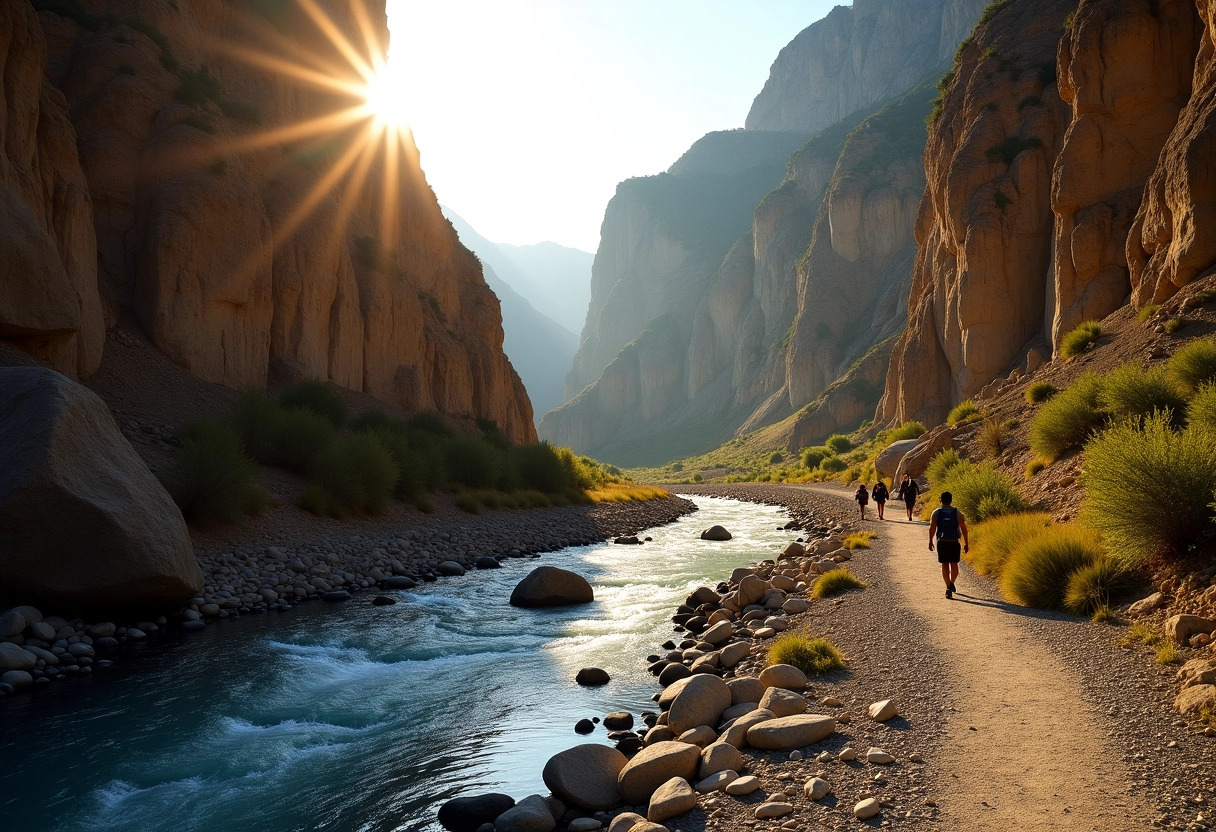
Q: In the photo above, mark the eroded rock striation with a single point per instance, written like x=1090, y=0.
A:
x=204, y=213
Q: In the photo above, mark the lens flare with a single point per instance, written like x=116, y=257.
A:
x=385, y=96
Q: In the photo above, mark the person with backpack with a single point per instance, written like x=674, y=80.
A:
x=946, y=526
x=908, y=492
x=880, y=495
x=862, y=497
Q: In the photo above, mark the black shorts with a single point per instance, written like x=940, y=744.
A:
x=949, y=551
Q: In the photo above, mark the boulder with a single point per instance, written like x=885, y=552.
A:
x=888, y=459
x=701, y=702
x=700, y=736
x=883, y=710
x=783, y=702
x=751, y=590
x=487, y=562
x=33, y=615
x=1194, y=700
x=592, y=677
x=19, y=679
x=673, y=798
x=746, y=689
x=719, y=756
x=793, y=550
x=673, y=690
x=716, y=533
x=673, y=673
x=718, y=633
x=584, y=825
x=586, y=776
x=529, y=815
x=450, y=568
x=618, y=721
x=83, y=522
x=1198, y=672
x=653, y=766
x=1146, y=605
x=400, y=582
x=789, y=732
x=625, y=821
x=736, y=734
x=12, y=623
x=14, y=657
x=659, y=733
x=733, y=653
x=816, y=788
x=736, y=711
x=915, y=461
x=783, y=676
x=793, y=606
x=548, y=586
x=466, y=814
x=1181, y=627
x=703, y=595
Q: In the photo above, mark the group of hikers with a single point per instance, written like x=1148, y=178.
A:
x=947, y=527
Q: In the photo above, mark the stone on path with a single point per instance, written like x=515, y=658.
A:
x=673, y=798
x=466, y=814
x=883, y=710
x=592, y=677
x=653, y=766
x=816, y=788
x=876, y=756
x=1150, y=603
x=742, y=786
x=789, y=732
x=586, y=776
x=531, y=814
x=548, y=586
x=773, y=810
x=783, y=676
x=866, y=809
x=716, y=533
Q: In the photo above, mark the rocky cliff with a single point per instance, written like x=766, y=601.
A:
x=856, y=57
x=228, y=206
x=1054, y=201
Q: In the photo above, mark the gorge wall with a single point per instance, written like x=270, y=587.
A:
x=733, y=290
x=1063, y=181
x=158, y=162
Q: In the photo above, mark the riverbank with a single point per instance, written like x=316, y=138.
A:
x=267, y=569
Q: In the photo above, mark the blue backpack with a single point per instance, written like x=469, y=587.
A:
x=947, y=523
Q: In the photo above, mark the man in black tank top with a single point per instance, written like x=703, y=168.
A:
x=946, y=527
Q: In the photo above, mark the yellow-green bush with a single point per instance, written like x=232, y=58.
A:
x=1080, y=339
x=1068, y=419
x=839, y=443
x=355, y=473
x=1148, y=488
x=211, y=479
x=991, y=437
x=1037, y=572
x=993, y=541
x=1201, y=409
x=811, y=457
x=813, y=656
x=1130, y=391
x=1034, y=467
x=858, y=540
x=939, y=467
x=908, y=430
x=318, y=397
x=1040, y=391
x=1193, y=365
x=1091, y=587
x=963, y=412
x=835, y=582
x=980, y=492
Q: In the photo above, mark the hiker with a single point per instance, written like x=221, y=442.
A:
x=862, y=497
x=946, y=525
x=908, y=492
x=880, y=495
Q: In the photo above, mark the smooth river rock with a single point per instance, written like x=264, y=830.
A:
x=548, y=586
x=789, y=732
x=673, y=798
x=653, y=766
x=586, y=776
x=701, y=702
x=531, y=814
x=716, y=533
x=466, y=814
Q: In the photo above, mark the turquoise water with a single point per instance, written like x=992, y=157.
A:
x=354, y=717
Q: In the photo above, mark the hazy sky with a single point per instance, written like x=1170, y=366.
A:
x=528, y=112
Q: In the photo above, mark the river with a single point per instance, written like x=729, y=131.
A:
x=354, y=717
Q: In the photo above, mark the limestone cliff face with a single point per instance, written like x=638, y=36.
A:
x=48, y=272
x=856, y=57
x=984, y=231
x=1173, y=237
x=1125, y=69
x=244, y=247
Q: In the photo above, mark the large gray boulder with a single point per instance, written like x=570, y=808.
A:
x=83, y=521
x=531, y=814
x=548, y=586
x=586, y=776
x=887, y=461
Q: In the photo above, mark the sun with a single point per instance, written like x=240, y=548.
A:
x=384, y=98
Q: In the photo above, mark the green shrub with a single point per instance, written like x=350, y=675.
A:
x=1130, y=391
x=1040, y=391
x=273, y=435
x=375, y=419
x=473, y=462
x=540, y=468
x=1080, y=339
x=1201, y=410
x=1104, y=615
x=811, y=457
x=211, y=479
x=1071, y=417
x=1037, y=572
x=1091, y=587
x=993, y=541
x=355, y=473
x=963, y=412
x=468, y=503
x=1034, y=467
x=839, y=444
x=1149, y=488
x=908, y=430
x=1173, y=325
x=939, y=467
x=1193, y=365
x=318, y=397
x=858, y=540
x=1148, y=311
x=411, y=473
x=981, y=492
x=429, y=422
x=833, y=465
x=992, y=437
x=1167, y=653
x=993, y=9
x=775, y=457
x=835, y=582
x=813, y=656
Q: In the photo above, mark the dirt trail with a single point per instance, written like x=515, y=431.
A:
x=1023, y=750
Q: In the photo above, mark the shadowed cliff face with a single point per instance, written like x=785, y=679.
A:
x=244, y=247
x=984, y=231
